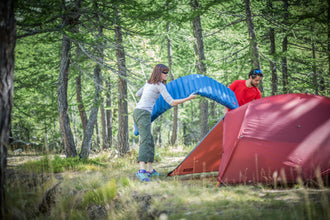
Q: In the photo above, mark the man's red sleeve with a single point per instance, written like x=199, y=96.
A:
x=233, y=85
x=258, y=95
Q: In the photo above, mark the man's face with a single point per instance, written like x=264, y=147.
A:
x=255, y=82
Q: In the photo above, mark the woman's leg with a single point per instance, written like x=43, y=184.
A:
x=142, y=165
x=142, y=120
x=150, y=167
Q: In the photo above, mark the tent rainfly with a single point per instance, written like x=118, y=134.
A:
x=280, y=138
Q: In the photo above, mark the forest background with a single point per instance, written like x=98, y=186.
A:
x=79, y=63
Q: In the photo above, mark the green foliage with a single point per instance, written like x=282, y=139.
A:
x=58, y=164
x=124, y=181
x=35, y=110
x=158, y=157
x=144, y=23
x=101, y=195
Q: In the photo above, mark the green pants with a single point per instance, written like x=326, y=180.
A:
x=142, y=119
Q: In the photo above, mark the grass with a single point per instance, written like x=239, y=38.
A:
x=58, y=164
x=105, y=187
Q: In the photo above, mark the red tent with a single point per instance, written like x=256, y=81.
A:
x=278, y=137
x=206, y=155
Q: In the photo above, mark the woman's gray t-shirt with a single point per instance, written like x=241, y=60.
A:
x=149, y=93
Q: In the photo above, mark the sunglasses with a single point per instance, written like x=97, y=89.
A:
x=165, y=72
x=257, y=72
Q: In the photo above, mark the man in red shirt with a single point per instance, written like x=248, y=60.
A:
x=246, y=90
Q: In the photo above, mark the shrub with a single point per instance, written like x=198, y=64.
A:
x=101, y=195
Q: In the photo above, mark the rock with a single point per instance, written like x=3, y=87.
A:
x=97, y=212
x=48, y=199
x=144, y=202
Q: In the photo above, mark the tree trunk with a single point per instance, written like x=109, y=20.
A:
x=200, y=66
x=253, y=40
x=157, y=133
x=323, y=86
x=87, y=141
x=109, y=114
x=70, y=17
x=285, y=77
x=62, y=102
x=272, y=64
x=81, y=106
x=7, y=63
x=252, y=35
x=328, y=38
x=97, y=134
x=315, y=71
x=272, y=53
x=284, y=65
x=80, y=102
x=99, y=50
x=175, y=108
x=213, y=116
x=104, y=126
x=122, y=86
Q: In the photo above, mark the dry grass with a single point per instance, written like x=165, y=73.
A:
x=113, y=192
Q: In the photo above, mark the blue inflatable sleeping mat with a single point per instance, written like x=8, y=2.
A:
x=198, y=84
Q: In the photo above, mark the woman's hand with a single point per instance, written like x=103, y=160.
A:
x=192, y=96
x=180, y=101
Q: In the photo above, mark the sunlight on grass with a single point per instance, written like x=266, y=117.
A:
x=105, y=187
x=58, y=164
x=101, y=195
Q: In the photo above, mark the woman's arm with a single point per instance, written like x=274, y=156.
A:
x=139, y=93
x=180, y=101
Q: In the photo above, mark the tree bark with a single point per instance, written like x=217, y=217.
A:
x=97, y=134
x=328, y=38
x=62, y=102
x=175, y=108
x=104, y=126
x=87, y=141
x=71, y=17
x=7, y=64
x=272, y=53
x=80, y=102
x=255, y=57
x=122, y=86
x=109, y=114
x=81, y=107
x=271, y=63
x=157, y=133
x=285, y=77
x=212, y=111
x=315, y=70
x=323, y=86
x=100, y=53
x=200, y=66
x=252, y=35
